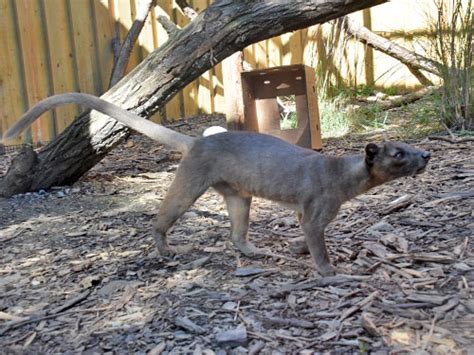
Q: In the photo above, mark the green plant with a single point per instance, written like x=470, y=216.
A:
x=369, y=118
x=452, y=46
x=334, y=116
x=391, y=91
x=289, y=121
x=364, y=90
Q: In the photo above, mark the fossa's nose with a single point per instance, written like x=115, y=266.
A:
x=426, y=155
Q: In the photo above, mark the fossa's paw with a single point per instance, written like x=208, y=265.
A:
x=298, y=246
x=327, y=271
x=249, y=249
x=167, y=252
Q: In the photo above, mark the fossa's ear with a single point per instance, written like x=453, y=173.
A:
x=371, y=151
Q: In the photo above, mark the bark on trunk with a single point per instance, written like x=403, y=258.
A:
x=222, y=29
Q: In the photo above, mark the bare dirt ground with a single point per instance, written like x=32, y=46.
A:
x=79, y=273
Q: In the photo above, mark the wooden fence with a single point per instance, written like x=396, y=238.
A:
x=55, y=46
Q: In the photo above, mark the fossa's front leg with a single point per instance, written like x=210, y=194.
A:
x=313, y=227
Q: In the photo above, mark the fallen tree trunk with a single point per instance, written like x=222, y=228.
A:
x=400, y=100
x=222, y=29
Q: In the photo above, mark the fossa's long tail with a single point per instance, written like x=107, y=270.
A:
x=157, y=132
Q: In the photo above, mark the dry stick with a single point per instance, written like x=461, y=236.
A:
x=289, y=322
x=188, y=11
x=406, y=99
x=56, y=312
x=256, y=335
x=358, y=306
x=121, y=63
x=322, y=282
x=430, y=334
x=349, y=312
x=23, y=337
x=169, y=26
x=451, y=140
x=402, y=100
x=50, y=316
x=284, y=257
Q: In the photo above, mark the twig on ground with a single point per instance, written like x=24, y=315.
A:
x=453, y=140
x=56, y=312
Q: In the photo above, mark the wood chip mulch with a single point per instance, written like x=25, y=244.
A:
x=79, y=272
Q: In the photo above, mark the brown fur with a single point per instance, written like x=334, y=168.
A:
x=240, y=165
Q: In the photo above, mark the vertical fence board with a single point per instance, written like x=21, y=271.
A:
x=274, y=48
x=369, y=52
x=125, y=20
x=147, y=42
x=61, y=58
x=35, y=66
x=285, y=53
x=104, y=32
x=190, y=92
x=218, y=88
x=249, y=56
x=84, y=46
x=13, y=100
x=138, y=49
x=165, y=8
x=261, y=55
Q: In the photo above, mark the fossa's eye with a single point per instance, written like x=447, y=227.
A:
x=398, y=155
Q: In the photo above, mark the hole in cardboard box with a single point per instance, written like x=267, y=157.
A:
x=288, y=114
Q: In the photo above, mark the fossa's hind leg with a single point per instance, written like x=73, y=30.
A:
x=185, y=189
x=239, y=210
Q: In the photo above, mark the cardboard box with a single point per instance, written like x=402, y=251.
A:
x=292, y=85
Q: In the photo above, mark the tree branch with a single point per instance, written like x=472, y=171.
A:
x=415, y=62
x=420, y=76
x=169, y=26
x=120, y=64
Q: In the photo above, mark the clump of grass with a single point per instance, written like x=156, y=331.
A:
x=289, y=121
x=338, y=115
x=419, y=119
x=334, y=117
x=364, y=90
x=452, y=47
x=391, y=91
x=368, y=118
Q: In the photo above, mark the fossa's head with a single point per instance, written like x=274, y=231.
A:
x=391, y=160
